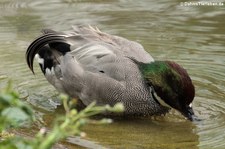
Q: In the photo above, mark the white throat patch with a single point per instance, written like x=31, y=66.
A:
x=160, y=100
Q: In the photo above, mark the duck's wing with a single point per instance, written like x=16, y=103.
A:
x=86, y=41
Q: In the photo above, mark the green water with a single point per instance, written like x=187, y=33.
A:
x=193, y=36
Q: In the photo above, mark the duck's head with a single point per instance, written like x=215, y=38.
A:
x=172, y=86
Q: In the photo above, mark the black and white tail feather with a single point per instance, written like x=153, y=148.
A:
x=42, y=49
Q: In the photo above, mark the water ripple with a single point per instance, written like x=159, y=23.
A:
x=11, y=7
x=209, y=129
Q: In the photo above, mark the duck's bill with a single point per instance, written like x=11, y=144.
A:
x=189, y=114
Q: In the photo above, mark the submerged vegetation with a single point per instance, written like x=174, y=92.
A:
x=15, y=113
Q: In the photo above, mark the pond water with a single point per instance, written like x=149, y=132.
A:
x=193, y=36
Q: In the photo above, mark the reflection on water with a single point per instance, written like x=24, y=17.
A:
x=143, y=133
x=192, y=36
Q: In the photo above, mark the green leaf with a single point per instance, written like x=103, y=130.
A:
x=6, y=99
x=16, y=116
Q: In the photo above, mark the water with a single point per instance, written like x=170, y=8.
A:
x=193, y=36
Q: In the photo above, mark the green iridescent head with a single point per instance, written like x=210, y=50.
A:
x=172, y=85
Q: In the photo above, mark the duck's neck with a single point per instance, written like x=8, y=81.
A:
x=154, y=72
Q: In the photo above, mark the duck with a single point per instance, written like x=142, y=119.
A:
x=90, y=65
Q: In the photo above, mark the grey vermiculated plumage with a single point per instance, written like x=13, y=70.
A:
x=97, y=67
